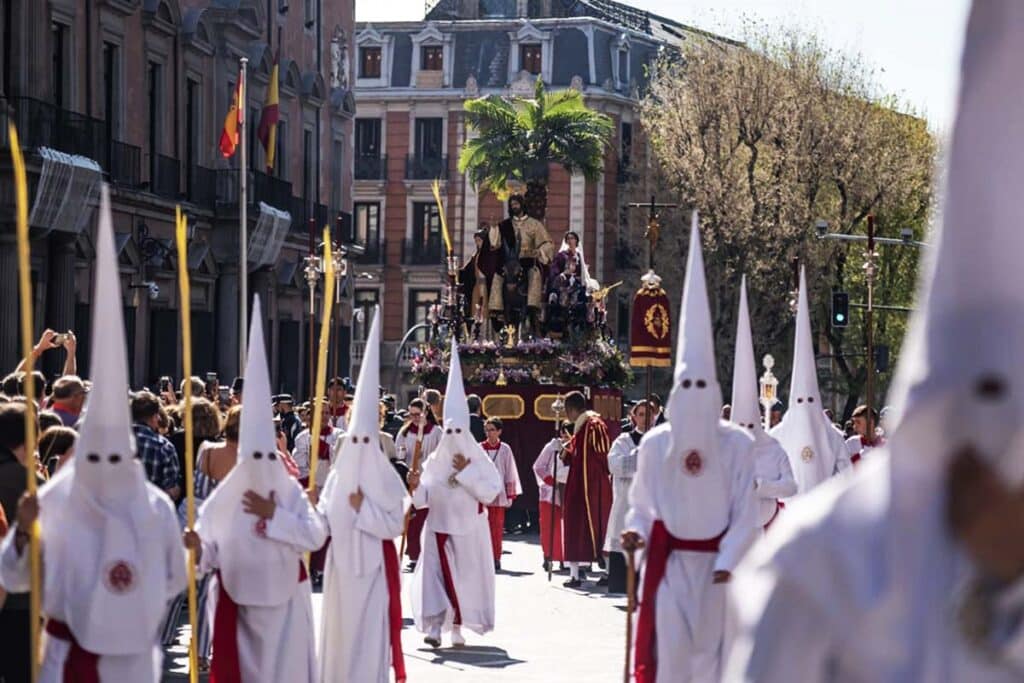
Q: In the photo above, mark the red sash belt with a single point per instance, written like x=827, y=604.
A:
x=394, y=608
x=81, y=666
x=446, y=573
x=778, y=506
x=660, y=545
x=226, y=666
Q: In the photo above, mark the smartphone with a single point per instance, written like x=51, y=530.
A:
x=59, y=339
x=165, y=384
x=211, y=377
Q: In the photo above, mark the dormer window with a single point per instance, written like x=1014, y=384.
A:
x=369, y=62
x=620, y=62
x=531, y=58
x=432, y=58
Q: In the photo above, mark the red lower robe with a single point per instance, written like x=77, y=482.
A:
x=588, y=492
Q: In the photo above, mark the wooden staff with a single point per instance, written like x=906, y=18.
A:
x=185, y=306
x=417, y=454
x=25, y=292
x=321, y=364
x=630, y=607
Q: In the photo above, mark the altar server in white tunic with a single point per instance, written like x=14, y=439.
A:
x=364, y=503
x=816, y=449
x=913, y=568
x=453, y=585
x=254, y=529
x=773, y=476
x=692, y=508
x=112, y=553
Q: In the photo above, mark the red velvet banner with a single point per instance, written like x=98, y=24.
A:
x=650, y=329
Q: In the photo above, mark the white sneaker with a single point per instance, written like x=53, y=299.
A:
x=433, y=638
x=457, y=639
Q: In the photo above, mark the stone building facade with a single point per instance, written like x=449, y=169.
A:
x=138, y=90
x=411, y=80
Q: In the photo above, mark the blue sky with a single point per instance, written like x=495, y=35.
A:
x=914, y=44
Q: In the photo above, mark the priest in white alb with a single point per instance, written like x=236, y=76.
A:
x=692, y=508
x=253, y=531
x=912, y=569
x=112, y=557
x=816, y=449
x=453, y=585
x=363, y=502
x=773, y=476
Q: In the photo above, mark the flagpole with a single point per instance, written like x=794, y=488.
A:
x=243, y=218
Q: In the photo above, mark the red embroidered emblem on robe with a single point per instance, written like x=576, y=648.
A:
x=119, y=577
x=260, y=528
x=693, y=464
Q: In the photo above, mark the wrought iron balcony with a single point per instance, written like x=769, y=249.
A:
x=375, y=253
x=416, y=253
x=125, y=164
x=371, y=167
x=165, y=179
x=426, y=168
x=41, y=124
x=202, y=185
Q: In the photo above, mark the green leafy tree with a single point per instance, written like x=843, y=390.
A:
x=765, y=140
x=519, y=138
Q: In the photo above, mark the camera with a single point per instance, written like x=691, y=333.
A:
x=211, y=377
x=165, y=384
x=58, y=339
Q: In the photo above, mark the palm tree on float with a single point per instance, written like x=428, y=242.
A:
x=519, y=138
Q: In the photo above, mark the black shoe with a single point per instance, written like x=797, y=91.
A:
x=411, y=567
x=603, y=581
x=573, y=583
x=600, y=562
x=432, y=642
x=546, y=565
x=497, y=565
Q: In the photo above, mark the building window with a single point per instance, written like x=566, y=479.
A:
x=624, y=67
x=626, y=151
x=112, y=90
x=368, y=132
x=426, y=228
x=280, y=158
x=530, y=57
x=337, y=164
x=365, y=300
x=369, y=62
x=61, y=70
x=307, y=166
x=155, y=97
x=497, y=9
x=310, y=13
x=420, y=301
x=432, y=58
x=429, y=138
x=367, y=220
x=192, y=127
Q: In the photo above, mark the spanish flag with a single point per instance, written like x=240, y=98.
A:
x=233, y=121
x=267, y=131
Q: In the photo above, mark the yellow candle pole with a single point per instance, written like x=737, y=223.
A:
x=185, y=305
x=321, y=363
x=25, y=291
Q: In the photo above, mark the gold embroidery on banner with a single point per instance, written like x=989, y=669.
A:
x=656, y=321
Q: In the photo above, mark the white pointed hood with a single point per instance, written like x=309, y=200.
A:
x=745, y=411
x=813, y=445
x=106, y=509
x=254, y=569
x=696, y=399
x=453, y=509
x=961, y=379
x=360, y=464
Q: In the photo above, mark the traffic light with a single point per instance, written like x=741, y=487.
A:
x=881, y=358
x=840, y=309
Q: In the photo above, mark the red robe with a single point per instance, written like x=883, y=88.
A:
x=588, y=492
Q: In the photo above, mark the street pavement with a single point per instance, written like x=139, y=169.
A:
x=545, y=633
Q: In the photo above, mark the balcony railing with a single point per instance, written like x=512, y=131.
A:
x=416, y=253
x=202, y=186
x=166, y=180
x=41, y=124
x=375, y=253
x=371, y=167
x=270, y=189
x=426, y=168
x=125, y=164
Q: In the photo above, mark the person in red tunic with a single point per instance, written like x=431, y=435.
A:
x=588, y=491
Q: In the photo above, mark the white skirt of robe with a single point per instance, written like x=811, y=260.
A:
x=355, y=646
x=274, y=643
x=472, y=565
